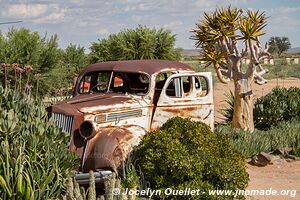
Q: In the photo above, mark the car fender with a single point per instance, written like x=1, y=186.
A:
x=110, y=147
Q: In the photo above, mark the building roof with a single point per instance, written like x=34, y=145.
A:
x=145, y=66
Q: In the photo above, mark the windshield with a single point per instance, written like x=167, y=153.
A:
x=116, y=82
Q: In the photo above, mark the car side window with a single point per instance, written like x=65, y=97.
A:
x=179, y=86
x=187, y=86
x=201, y=85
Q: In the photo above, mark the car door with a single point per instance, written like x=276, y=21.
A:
x=188, y=95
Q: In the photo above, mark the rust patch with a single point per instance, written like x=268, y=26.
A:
x=181, y=110
x=108, y=148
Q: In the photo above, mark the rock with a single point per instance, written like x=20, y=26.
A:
x=262, y=159
x=292, y=157
x=282, y=151
x=278, y=162
x=281, y=157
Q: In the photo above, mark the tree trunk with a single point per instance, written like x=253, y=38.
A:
x=243, y=105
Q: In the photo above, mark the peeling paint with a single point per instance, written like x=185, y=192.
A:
x=131, y=116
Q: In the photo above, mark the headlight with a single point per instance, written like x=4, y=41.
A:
x=87, y=129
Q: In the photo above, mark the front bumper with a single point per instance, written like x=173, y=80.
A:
x=100, y=177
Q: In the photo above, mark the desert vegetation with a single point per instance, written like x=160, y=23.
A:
x=35, y=162
x=185, y=154
x=218, y=35
x=276, y=118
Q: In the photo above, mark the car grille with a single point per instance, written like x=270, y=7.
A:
x=64, y=122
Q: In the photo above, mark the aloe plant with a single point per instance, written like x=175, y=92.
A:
x=30, y=167
x=285, y=134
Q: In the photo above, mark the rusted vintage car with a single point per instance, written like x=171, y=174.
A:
x=116, y=103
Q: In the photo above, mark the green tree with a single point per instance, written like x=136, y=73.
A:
x=53, y=68
x=75, y=58
x=278, y=45
x=2, y=47
x=29, y=48
x=64, y=75
x=219, y=35
x=134, y=44
x=50, y=54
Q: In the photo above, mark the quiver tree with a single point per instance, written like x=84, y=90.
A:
x=219, y=35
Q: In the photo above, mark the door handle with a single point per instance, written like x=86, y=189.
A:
x=210, y=111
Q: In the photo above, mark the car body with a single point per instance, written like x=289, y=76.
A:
x=116, y=103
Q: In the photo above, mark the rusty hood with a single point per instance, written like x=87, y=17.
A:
x=94, y=103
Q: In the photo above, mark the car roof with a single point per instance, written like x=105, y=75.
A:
x=143, y=66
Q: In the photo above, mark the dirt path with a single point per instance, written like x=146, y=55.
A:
x=259, y=90
x=280, y=176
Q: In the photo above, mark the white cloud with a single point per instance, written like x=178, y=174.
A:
x=291, y=9
x=173, y=25
x=25, y=10
x=138, y=7
x=83, y=21
x=55, y=16
x=204, y=3
x=137, y=18
x=103, y=32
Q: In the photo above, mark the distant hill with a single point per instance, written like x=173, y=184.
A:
x=293, y=50
x=190, y=52
x=196, y=52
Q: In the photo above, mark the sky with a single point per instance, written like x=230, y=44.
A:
x=85, y=21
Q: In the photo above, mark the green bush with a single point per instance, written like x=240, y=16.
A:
x=186, y=154
x=280, y=104
x=296, y=152
x=34, y=159
x=285, y=134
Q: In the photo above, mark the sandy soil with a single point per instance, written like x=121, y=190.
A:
x=280, y=176
x=259, y=90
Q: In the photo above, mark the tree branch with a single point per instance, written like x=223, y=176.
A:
x=226, y=70
x=236, y=49
x=259, y=79
x=252, y=52
x=229, y=45
x=223, y=47
x=265, y=53
x=220, y=74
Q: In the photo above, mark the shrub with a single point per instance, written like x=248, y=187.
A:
x=34, y=159
x=296, y=152
x=186, y=154
x=285, y=134
x=280, y=104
